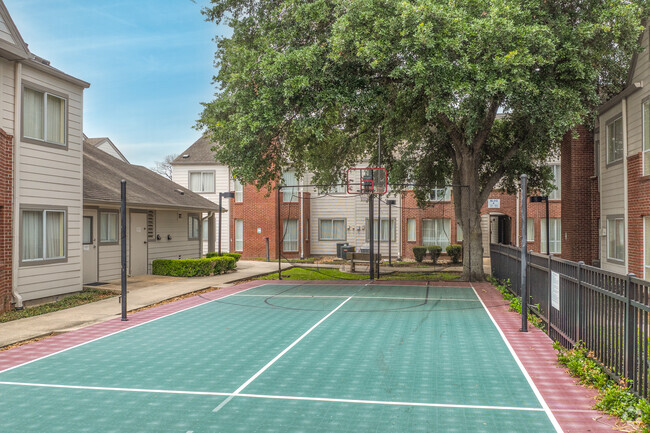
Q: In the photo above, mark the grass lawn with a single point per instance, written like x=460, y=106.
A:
x=335, y=274
x=85, y=297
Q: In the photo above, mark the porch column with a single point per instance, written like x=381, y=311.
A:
x=212, y=222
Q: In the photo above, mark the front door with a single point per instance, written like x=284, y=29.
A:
x=138, y=236
x=89, y=255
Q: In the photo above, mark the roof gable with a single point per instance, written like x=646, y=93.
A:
x=199, y=153
x=105, y=144
x=12, y=44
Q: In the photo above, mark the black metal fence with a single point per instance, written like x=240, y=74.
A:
x=608, y=312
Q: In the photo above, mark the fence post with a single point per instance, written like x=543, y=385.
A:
x=629, y=328
x=579, y=302
x=548, y=294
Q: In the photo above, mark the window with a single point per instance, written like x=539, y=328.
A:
x=87, y=236
x=205, y=230
x=239, y=235
x=43, y=235
x=239, y=191
x=555, y=237
x=646, y=224
x=411, y=234
x=289, y=194
x=436, y=232
x=202, y=181
x=384, y=232
x=44, y=117
x=646, y=138
x=440, y=194
x=290, y=240
x=557, y=181
x=615, y=140
x=332, y=229
x=193, y=227
x=459, y=233
x=108, y=227
x=616, y=238
x=530, y=230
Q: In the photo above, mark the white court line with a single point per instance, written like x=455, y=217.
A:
x=550, y=415
x=278, y=356
x=126, y=329
x=279, y=397
x=356, y=297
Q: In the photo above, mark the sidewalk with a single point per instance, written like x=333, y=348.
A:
x=142, y=292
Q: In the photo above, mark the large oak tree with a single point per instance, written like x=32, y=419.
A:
x=307, y=83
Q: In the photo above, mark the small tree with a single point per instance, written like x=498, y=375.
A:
x=419, y=253
x=164, y=167
x=435, y=251
x=455, y=252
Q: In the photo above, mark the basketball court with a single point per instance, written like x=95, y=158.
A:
x=287, y=357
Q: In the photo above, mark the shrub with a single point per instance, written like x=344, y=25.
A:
x=192, y=267
x=235, y=256
x=419, y=253
x=435, y=251
x=454, y=252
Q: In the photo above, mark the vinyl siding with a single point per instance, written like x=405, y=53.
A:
x=5, y=34
x=51, y=177
x=168, y=223
x=106, y=147
x=7, y=95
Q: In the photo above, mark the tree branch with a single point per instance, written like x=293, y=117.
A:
x=486, y=126
x=498, y=174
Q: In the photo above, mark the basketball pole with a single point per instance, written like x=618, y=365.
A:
x=371, y=229
x=378, y=210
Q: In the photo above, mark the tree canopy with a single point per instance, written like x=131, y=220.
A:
x=469, y=92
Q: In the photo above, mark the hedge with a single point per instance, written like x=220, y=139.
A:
x=235, y=256
x=455, y=251
x=419, y=253
x=192, y=267
x=435, y=251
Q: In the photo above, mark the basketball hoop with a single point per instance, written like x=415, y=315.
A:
x=367, y=181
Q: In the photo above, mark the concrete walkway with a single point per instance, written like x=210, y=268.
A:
x=142, y=291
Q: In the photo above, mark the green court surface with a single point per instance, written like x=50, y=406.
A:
x=288, y=358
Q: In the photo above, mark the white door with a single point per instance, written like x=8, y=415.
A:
x=89, y=256
x=138, y=237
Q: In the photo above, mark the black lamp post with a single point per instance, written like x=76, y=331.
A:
x=539, y=199
x=228, y=194
x=390, y=204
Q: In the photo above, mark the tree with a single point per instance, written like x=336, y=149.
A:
x=307, y=83
x=164, y=167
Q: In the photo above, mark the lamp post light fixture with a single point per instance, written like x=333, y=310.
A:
x=390, y=204
x=539, y=199
x=228, y=194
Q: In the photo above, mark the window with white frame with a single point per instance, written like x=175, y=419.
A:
x=557, y=181
x=43, y=235
x=646, y=138
x=615, y=140
x=239, y=235
x=108, y=227
x=193, y=222
x=646, y=234
x=239, y=191
x=411, y=233
x=436, y=232
x=616, y=238
x=383, y=233
x=440, y=194
x=530, y=230
x=332, y=229
x=290, y=240
x=202, y=181
x=44, y=116
x=459, y=233
x=289, y=194
x=555, y=238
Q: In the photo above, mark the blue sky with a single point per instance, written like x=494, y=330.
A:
x=149, y=64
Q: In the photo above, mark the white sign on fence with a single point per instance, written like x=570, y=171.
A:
x=555, y=290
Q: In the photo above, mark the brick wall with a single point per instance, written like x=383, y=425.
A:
x=6, y=190
x=638, y=207
x=580, y=198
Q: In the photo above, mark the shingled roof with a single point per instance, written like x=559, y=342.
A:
x=103, y=173
x=197, y=153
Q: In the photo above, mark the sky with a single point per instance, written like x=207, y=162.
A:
x=149, y=63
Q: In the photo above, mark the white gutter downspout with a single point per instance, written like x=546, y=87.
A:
x=625, y=185
x=18, y=69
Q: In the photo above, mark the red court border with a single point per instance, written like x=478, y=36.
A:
x=570, y=403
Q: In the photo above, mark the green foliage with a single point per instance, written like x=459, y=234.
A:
x=419, y=253
x=335, y=274
x=455, y=252
x=435, y=251
x=515, y=302
x=235, y=256
x=85, y=297
x=193, y=267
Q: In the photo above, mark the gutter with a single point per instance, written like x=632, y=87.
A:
x=626, y=215
x=18, y=300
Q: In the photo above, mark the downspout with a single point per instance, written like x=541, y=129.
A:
x=625, y=185
x=18, y=69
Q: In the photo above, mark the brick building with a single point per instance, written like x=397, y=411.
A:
x=6, y=191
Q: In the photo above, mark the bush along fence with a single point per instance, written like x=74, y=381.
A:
x=235, y=256
x=193, y=267
x=454, y=252
x=608, y=312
